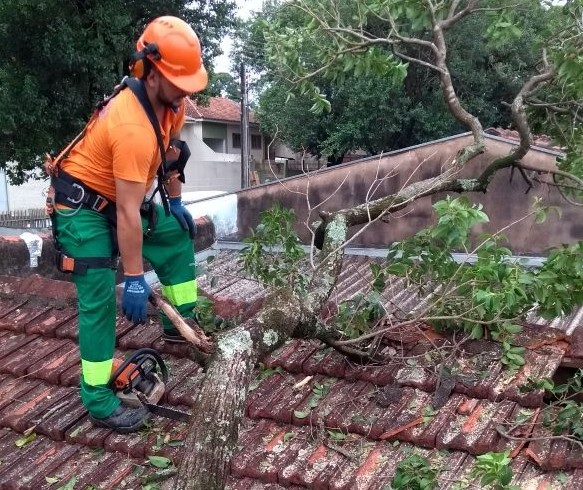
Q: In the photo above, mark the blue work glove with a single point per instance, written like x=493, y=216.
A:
x=134, y=303
x=182, y=215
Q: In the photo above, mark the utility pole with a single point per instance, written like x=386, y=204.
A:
x=244, y=130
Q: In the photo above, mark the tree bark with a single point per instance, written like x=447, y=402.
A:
x=219, y=408
x=214, y=425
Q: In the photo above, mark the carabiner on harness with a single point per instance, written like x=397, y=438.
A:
x=81, y=197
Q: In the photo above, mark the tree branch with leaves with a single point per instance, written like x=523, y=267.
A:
x=330, y=41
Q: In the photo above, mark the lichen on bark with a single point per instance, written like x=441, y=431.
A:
x=235, y=342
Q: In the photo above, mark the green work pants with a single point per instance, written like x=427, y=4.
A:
x=85, y=233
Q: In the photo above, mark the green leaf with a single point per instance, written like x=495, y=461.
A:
x=76, y=432
x=300, y=415
x=513, y=329
x=506, y=475
x=23, y=441
x=150, y=486
x=51, y=479
x=175, y=443
x=70, y=485
x=336, y=435
x=160, y=461
x=477, y=332
x=287, y=436
x=562, y=478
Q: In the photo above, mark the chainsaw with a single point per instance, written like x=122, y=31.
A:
x=140, y=381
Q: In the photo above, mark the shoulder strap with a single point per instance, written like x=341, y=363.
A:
x=137, y=87
x=52, y=165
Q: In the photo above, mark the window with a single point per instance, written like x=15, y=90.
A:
x=256, y=142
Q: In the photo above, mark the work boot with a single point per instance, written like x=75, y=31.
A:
x=124, y=419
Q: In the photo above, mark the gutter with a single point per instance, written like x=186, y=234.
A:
x=528, y=261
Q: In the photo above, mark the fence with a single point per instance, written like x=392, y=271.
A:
x=25, y=218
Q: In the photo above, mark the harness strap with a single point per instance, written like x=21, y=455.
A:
x=52, y=165
x=65, y=263
x=70, y=191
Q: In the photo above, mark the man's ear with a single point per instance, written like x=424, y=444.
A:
x=153, y=78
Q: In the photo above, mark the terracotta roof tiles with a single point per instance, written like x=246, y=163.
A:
x=313, y=419
x=217, y=109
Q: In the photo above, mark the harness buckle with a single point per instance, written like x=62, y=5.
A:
x=99, y=203
x=73, y=200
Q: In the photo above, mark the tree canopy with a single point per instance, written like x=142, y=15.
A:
x=487, y=68
x=58, y=58
x=319, y=46
x=224, y=85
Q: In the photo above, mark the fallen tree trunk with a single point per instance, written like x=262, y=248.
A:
x=220, y=405
x=219, y=408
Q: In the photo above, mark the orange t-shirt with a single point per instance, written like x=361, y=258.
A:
x=121, y=144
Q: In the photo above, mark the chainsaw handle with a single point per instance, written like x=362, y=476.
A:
x=137, y=359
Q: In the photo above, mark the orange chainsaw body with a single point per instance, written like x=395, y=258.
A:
x=143, y=372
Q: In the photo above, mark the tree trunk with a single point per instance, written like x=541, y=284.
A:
x=219, y=408
x=215, y=421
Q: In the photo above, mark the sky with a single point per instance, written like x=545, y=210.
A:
x=245, y=7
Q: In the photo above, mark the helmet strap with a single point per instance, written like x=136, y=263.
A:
x=140, y=62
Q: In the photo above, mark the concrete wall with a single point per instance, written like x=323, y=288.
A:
x=220, y=209
x=207, y=170
x=348, y=184
x=15, y=256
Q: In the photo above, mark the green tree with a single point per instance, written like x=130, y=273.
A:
x=58, y=58
x=224, y=85
x=331, y=41
x=410, y=113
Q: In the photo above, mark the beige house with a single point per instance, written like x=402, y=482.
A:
x=213, y=134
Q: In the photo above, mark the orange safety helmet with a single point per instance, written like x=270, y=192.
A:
x=172, y=46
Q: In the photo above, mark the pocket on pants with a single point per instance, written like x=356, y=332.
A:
x=68, y=233
x=85, y=234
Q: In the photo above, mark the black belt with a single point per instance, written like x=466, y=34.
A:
x=66, y=263
x=71, y=192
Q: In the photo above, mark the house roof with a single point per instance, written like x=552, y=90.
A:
x=313, y=419
x=218, y=109
x=540, y=140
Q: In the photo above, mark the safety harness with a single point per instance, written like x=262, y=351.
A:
x=73, y=193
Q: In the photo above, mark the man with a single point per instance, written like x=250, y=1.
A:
x=104, y=178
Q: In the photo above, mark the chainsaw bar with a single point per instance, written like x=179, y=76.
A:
x=169, y=413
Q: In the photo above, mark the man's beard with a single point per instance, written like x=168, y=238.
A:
x=167, y=103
